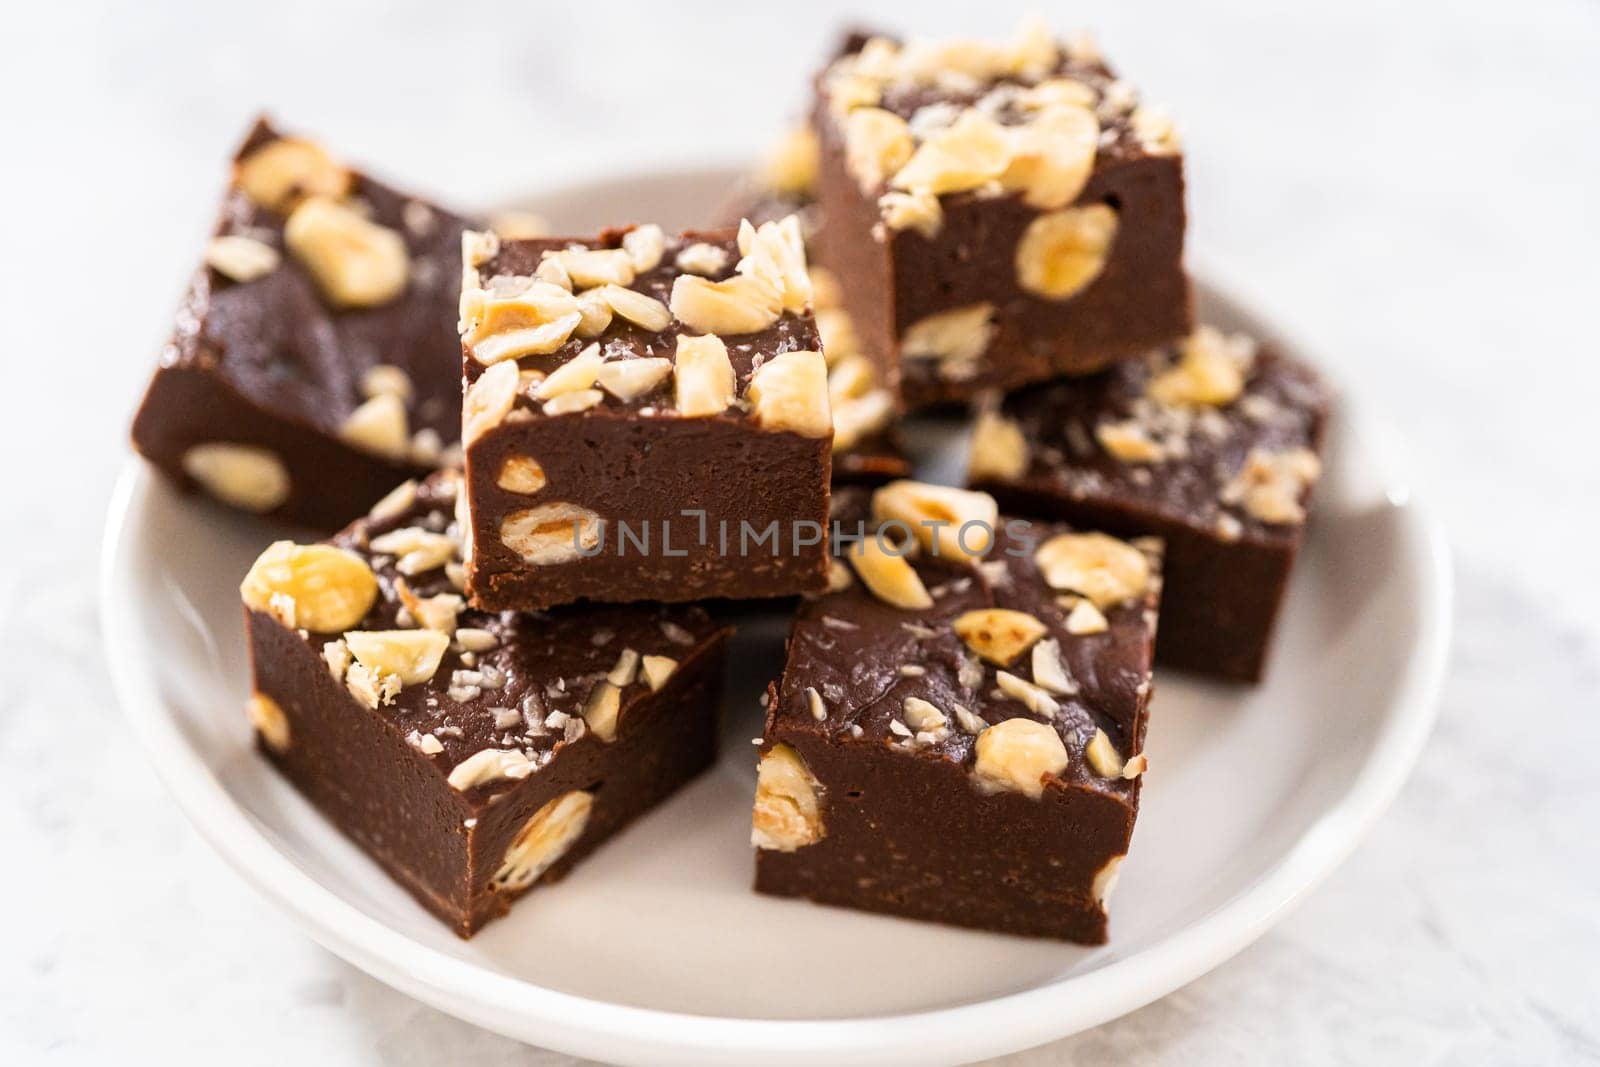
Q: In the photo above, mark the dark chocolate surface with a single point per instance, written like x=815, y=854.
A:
x=269, y=363
x=1226, y=571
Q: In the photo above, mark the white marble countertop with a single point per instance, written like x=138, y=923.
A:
x=1410, y=186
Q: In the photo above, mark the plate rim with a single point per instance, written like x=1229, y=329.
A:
x=593, y=1027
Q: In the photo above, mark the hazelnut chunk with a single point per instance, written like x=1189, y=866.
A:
x=702, y=258
x=241, y=259
x=384, y=379
x=1107, y=762
x=953, y=523
x=911, y=211
x=999, y=635
x=1206, y=375
x=410, y=655
x=970, y=152
x=625, y=670
x=1016, y=755
x=1085, y=619
x=489, y=766
x=591, y=267
x=371, y=686
x=922, y=715
x=547, y=836
x=575, y=375
x=571, y=403
x=629, y=379
x=551, y=533
x=787, y=814
x=645, y=312
x=319, y=587
x=775, y=253
x=1156, y=132
x=877, y=143
x=1052, y=155
x=891, y=579
x=1050, y=671
x=999, y=451
x=278, y=174
x=519, y=225
x=600, y=711
x=1271, y=484
x=418, y=550
x=790, y=392
x=958, y=337
x=436, y=612
x=513, y=317
x=488, y=401
x=645, y=246
x=594, y=313
x=1030, y=696
x=736, y=305
x=857, y=418
x=792, y=164
x=1095, y=565
x=657, y=670
x=242, y=476
x=355, y=262
x=1129, y=441
x=336, y=654
x=1062, y=252
x=1105, y=881
x=269, y=721
x=378, y=427
x=521, y=474
x=818, y=706
x=704, y=376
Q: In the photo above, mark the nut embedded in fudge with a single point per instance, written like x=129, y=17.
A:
x=1212, y=445
x=472, y=755
x=959, y=738
x=645, y=418
x=866, y=440
x=315, y=361
x=1005, y=214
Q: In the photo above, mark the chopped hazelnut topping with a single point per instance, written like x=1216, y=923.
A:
x=241, y=259
x=999, y=635
x=891, y=579
x=1095, y=565
x=354, y=261
x=320, y=588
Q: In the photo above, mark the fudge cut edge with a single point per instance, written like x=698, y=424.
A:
x=691, y=427
x=217, y=417
x=966, y=255
x=429, y=774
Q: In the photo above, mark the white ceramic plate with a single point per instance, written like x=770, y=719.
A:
x=655, y=950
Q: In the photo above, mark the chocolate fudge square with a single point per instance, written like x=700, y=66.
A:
x=961, y=739
x=315, y=361
x=1212, y=444
x=645, y=418
x=1005, y=213
x=473, y=756
x=867, y=449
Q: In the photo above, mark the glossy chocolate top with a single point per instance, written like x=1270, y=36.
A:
x=277, y=341
x=1184, y=461
x=864, y=658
